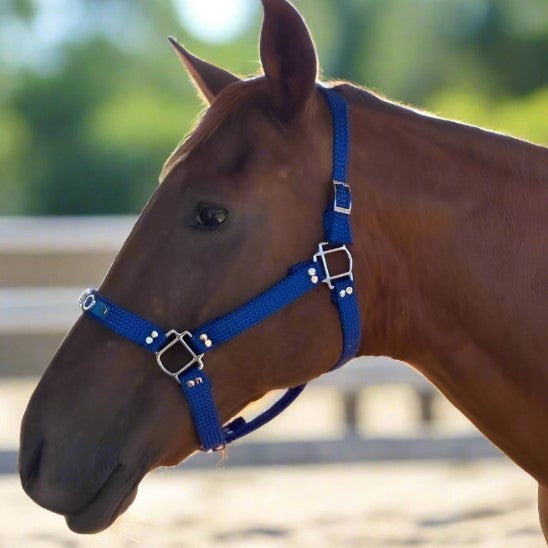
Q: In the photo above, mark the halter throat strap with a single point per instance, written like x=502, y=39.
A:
x=301, y=279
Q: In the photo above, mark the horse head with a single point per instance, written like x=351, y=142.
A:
x=239, y=202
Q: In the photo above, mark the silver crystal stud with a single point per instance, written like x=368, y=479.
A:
x=203, y=337
x=154, y=334
x=349, y=290
x=342, y=293
x=208, y=343
x=149, y=340
x=190, y=384
x=314, y=279
x=311, y=271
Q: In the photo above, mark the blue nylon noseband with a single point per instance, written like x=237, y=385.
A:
x=301, y=279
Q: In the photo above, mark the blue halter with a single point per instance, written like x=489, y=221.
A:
x=301, y=278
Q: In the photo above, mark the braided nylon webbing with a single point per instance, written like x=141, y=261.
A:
x=238, y=428
x=349, y=314
x=222, y=329
x=341, y=132
x=196, y=386
x=125, y=323
x=337, y=225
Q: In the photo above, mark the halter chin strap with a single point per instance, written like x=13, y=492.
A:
x=301, y=279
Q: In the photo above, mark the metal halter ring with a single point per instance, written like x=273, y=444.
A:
x=323, y=252
x=87, y=300
x=196, y=359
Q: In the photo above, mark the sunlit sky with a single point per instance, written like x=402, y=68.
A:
x=215, y=20
x=209, y=20
x=58, y=21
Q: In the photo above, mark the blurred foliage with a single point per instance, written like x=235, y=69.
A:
x=92, y=100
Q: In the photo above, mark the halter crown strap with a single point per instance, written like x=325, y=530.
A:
x=301, y=278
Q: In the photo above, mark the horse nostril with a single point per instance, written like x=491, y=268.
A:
x=29, y=463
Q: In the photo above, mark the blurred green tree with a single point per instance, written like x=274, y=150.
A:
x=92, y=100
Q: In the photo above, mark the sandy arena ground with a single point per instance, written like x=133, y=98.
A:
x=487, y=504
x=481, y=504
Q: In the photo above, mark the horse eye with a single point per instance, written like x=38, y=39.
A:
x=210, y=215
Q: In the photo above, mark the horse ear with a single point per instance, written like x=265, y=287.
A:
x=288, y=56
x=208, y=78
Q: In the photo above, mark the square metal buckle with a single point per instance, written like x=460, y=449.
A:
x=339, y=208
x=179, y=338
x=322, y=253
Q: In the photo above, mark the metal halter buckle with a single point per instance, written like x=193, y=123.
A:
x=87, y=300
x=179, y=338
x=322, y=252
x=340, y=208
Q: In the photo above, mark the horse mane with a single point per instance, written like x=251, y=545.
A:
x=229, y=100
x=519, y=156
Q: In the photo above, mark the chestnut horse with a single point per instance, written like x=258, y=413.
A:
x=450, y=268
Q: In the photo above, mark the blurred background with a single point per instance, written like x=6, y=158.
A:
x=92, y=100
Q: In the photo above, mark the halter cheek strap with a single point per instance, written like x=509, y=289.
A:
x=301, y=279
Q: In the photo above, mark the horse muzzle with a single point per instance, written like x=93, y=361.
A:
x=90, y=494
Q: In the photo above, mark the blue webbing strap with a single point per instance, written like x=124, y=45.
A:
x=337, y=228
x=239, y=427
x=196, y=387
x=301, y=279
x=298, y=282
x=349, y=314
x=122, y=321
x=341, y=132
x=336, y=220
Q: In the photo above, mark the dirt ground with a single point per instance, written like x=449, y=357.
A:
x=485, y=504
x=489, y=503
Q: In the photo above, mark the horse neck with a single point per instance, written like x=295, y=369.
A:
x=439, y=223
x=411, y=191
x=421, y=184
